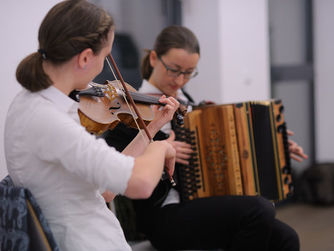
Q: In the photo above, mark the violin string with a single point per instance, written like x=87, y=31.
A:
x=145, y=98
x=126, y=100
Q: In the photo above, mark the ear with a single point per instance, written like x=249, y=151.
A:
x=153, y=58
x=84, y=58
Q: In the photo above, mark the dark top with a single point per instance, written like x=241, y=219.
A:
x=119, y=138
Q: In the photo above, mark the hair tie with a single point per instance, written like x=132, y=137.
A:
x=43, y=53
x=147, y=51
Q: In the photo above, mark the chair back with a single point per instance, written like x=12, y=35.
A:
x=22, y=224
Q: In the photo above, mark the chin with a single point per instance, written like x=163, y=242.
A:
x=172, y=94
x=83, y=86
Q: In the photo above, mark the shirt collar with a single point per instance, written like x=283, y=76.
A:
x=63, y=102
x=147, y=87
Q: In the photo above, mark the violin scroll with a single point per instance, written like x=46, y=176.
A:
x=94, y=91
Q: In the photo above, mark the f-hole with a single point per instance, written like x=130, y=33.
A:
x=114, y=108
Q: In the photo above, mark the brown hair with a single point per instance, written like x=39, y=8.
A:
x=173, y=36
x=68, y=28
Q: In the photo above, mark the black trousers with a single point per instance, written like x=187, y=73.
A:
x=229, y=222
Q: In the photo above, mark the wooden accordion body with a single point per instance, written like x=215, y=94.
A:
x=240, y=149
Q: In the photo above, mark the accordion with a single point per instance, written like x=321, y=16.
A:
x=239, y=149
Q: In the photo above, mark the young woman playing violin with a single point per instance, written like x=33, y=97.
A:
x=227, y=222
x=50, y=153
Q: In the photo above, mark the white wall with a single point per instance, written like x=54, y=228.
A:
x=19, y=23
x=324, y=79
x=233, y=35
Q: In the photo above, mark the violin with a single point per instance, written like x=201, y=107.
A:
x=102, y=107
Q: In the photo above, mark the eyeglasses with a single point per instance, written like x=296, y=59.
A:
x=175, y=73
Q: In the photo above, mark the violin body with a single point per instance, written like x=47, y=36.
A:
x=98, y=114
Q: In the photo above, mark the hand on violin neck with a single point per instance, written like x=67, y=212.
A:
x=163, y=114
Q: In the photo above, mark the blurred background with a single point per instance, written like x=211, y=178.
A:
x=250, y=50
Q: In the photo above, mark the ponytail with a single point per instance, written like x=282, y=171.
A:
x=30, y=73
x=146, y=68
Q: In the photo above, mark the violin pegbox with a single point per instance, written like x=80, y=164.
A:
x=110, y=92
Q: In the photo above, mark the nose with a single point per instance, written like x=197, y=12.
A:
x=180, y=80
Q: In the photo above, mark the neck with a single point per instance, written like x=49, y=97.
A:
x=61, y=76
x=152, y=82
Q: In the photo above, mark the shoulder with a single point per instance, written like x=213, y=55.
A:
x=26, y=106
x=37, y=115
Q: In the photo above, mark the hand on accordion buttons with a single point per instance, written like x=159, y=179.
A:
x=183, y=150
x=296, y=151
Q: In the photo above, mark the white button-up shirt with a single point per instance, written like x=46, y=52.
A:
x=66, y=169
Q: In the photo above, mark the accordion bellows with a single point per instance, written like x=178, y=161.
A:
x=239, y=149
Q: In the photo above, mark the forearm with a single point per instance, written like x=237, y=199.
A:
x=138, y=145
x=147, y=171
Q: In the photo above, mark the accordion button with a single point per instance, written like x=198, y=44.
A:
x=278, y=117
x=286, y=170
x=286, y=180
x=291, y=188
